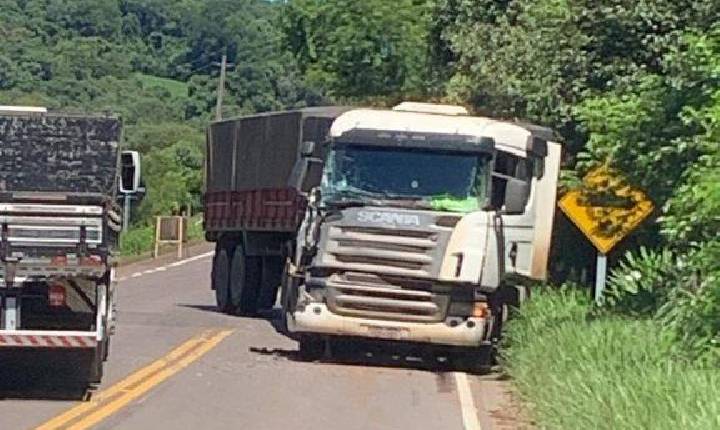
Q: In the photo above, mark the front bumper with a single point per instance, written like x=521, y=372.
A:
x=316, y=318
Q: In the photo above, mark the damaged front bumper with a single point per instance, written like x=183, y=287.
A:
x=316, y=318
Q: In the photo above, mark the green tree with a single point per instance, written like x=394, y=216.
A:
x=360, y=49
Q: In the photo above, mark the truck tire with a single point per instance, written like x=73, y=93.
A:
x=221, y=280
x=272, y=271
x=245, y=282
x=287, y=299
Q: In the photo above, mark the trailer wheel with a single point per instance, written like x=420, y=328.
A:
x=245, y=282
x=221, y=280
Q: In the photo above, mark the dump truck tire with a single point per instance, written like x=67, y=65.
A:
x=245, y=282
x=221, y=280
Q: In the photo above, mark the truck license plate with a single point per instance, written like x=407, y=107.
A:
x=387, y=332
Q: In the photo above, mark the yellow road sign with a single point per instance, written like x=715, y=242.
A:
x=606, y=209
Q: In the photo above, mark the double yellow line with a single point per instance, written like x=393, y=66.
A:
x=108, y=402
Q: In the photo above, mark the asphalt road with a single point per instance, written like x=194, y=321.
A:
x=176, y=363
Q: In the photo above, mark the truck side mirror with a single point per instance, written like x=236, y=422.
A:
x=305, y=174
x=516, y=196
x=307, y=149
x=129, y=172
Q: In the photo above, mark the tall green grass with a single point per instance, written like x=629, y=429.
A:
x=578, y=372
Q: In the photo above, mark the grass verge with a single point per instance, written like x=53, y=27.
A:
x=577, y=372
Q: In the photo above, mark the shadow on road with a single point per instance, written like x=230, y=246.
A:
x=357, y=352
x=41, y=375
x=371, y=354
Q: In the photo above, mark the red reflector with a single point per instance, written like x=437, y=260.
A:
x=93, y=260
x=56, y=295
x=59, y=260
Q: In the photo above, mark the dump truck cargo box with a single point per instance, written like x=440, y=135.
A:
x=248, y=165
x=59, y=153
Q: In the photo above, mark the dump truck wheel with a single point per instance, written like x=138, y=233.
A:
x=221, y=280
x=245, y=282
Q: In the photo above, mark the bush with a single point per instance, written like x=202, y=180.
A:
x=692, y=313
x=137, y=240
x=606, y=373
x=641, y=283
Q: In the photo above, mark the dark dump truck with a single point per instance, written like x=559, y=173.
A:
x=59, y=224
x=251, y=212
x=416, y=227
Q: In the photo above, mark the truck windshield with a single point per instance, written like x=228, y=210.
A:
x=446, y=181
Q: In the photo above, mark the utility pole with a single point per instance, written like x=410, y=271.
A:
x=221, y=87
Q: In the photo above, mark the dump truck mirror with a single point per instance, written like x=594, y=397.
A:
x=129, y=172
x=516, y=196
x=307, y=149
x=305, y=174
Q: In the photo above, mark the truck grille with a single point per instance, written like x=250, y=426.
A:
x=390, y=251
x=370, y=296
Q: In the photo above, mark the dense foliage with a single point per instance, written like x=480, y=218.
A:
x=155, y=64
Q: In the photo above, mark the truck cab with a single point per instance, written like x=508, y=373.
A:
x=425, y=223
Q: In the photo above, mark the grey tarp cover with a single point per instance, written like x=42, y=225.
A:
x=259, y=151
x=59, y=153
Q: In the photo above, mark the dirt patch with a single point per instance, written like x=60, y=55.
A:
x=499, y=405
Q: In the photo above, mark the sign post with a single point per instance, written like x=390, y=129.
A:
x=606, y=210
x=600, y=276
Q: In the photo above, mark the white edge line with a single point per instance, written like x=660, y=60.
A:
x=467, y=404
x=164, y=268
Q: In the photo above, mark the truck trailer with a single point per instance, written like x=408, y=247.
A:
x=418, y=225
x=59, y=223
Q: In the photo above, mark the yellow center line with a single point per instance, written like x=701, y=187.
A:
x=108, y=402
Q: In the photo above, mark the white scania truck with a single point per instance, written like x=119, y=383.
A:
x=417, y=225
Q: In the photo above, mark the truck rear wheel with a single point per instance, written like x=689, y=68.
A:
x=245, y=282
x=221, y=279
